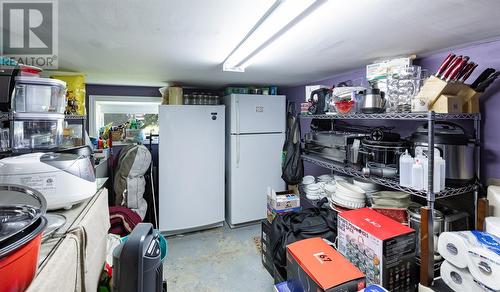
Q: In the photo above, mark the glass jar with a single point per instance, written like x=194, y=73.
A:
x=403, y=84
x=196, y=98
x=206, y=99
x=185, y=99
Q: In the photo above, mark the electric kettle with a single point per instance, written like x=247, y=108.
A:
x=320, y=99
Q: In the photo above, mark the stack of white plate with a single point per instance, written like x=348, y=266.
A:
x=348, y=195
x=325, y=178
x=367, y=186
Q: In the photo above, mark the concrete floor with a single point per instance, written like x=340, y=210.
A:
x=219, y=259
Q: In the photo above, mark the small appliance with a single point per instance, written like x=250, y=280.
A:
x=320, y=99
x=333, y=145
x=63, y=179
x=455, y=146
x=373, y=101
x=137, y=264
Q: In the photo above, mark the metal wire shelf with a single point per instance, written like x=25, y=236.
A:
x=6, y=116
x=394, y=116
x=387, y=182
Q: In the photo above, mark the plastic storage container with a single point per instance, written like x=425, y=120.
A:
x=35, y=131
x=39, y=95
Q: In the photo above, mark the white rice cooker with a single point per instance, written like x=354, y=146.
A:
x=64, y=179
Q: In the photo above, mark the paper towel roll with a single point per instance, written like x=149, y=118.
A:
x=492, y=225
x=458, y=279
x=454, y=247
x=484, y=266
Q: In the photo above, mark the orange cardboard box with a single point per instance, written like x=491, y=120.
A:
x=313, y=265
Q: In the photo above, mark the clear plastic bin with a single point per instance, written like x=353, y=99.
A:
x=39, y=95
x=31, y=133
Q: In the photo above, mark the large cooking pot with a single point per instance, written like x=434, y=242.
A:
x=454, y=146
x=21, y=228
x=437, y=227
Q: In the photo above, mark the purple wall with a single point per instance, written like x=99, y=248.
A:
x=486, y=54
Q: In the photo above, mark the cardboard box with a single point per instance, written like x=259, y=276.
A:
x=313, y=265
x=450, y=104
x=282, y=201
x=380, y=247
x=271, y=213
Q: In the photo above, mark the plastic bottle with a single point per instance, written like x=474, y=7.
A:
x=405, y=169
x=443, y=173
x=417, y=175
x=437, y=174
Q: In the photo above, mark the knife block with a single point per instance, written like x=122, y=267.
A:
x=435, y=87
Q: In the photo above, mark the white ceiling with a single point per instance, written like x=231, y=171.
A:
x=152, y=42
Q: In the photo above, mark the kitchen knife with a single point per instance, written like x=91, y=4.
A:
x=483, y=85
x=469, y=72
x=445, y=64
x=464, y=70
x=484, y=75
x=450, y=68
x=460, y=65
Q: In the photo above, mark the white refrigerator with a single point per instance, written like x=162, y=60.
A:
x=254, y=140
x=191, y=167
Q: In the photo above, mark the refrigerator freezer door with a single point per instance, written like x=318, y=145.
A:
x=191, y=166
x=251, y=113
x=259, y=166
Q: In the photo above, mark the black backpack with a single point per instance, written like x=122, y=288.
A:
x=293, y=166
x=318, y=221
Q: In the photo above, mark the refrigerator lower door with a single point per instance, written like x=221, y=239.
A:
x=191, y=167
x=254, y=163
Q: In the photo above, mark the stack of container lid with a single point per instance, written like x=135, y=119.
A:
x=37, y=107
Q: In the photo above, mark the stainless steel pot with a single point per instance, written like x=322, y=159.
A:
x=414, y=221
x=454, y=146
x=373, y=101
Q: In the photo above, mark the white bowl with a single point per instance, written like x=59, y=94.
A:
x=308, y=179
x=331, y=188
x=313, y=187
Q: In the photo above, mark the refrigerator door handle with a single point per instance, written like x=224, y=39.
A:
x=237, y=131
x=237, y=151
x=237, y=115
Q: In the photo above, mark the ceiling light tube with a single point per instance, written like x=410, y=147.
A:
x=278, y=19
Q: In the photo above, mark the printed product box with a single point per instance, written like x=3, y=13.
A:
x=313, y=265
x=380, y=247
x=282, y=201
x=279, y=203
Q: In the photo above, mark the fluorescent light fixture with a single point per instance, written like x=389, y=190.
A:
x=278, y=19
